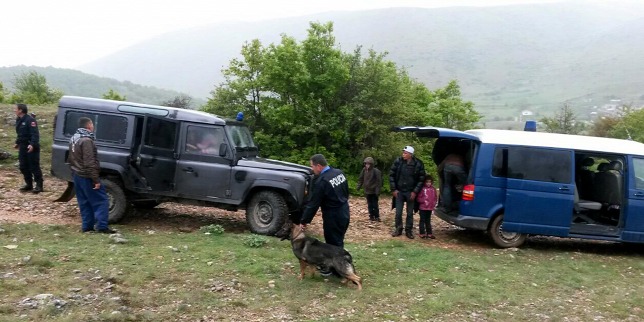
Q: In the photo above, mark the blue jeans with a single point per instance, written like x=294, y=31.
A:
x=93, y=204
x=409, y=220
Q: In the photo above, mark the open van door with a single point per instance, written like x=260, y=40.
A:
x=157, y=154
x=440, y=150
x=634, y=211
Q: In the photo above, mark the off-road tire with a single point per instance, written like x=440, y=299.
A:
x=504, y=239
x=266, y=213
x=118, y=204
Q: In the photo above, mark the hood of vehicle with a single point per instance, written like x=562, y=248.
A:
x=262, y=163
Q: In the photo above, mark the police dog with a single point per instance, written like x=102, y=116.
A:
x=314, y=253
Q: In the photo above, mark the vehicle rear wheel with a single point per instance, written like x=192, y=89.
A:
x=502, y=238
x=266, y=213
x=117, y=201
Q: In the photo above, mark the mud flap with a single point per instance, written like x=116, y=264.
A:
x=68, y=194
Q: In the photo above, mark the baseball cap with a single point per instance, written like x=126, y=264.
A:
x=409, y=149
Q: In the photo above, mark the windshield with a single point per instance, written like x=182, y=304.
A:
x=240, y=136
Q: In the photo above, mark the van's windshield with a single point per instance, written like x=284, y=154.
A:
x=240, y=137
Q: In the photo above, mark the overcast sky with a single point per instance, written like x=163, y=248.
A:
x=69, y=33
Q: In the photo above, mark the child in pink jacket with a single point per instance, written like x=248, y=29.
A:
x=427, y=199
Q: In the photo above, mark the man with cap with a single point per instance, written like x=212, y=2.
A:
x=28, y=145
x=406, y=178
x=371, y=179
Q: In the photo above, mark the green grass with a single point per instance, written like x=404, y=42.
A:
x=185, y=276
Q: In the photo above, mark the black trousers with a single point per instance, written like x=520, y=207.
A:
x=29, y=164
x=372, y=205
x=425, y=224
x=335, y=222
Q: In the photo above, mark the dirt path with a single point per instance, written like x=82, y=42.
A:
x=27, y=207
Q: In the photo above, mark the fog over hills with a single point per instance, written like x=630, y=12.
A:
x=506, y=58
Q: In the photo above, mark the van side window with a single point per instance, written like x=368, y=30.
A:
x=107, y=128
x=533, y=164
x=638, y=165
x=160, y=133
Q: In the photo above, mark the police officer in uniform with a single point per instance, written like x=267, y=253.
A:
x=331, y=192
x=28, y=145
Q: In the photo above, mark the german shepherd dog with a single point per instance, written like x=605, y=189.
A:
x=321, y=256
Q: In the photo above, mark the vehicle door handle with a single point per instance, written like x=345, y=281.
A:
x=564, y=188
x=190, y=170
x=639, y=194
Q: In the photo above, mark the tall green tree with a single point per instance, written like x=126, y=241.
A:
x=564, y=121
x=630, y=126
x=113, y=95
x=308, y=97
x=31, y=88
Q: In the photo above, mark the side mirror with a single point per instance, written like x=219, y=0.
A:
x=223, y=149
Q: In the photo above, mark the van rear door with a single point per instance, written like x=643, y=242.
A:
x=540, y=190
x=440, y=150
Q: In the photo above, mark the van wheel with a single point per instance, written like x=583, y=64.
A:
x=118, y=203
x=266, y=213
x=504, y=239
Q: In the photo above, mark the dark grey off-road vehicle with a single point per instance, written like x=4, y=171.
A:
x=153, y=154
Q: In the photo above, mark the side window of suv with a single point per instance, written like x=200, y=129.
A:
x=203, y=140
x=160, y=133
x=107, y=128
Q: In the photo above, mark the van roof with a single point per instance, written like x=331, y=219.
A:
x=111, y=106
x=565, y=141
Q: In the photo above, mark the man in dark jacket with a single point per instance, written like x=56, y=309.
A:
x=406, y=178
x=371, y=179
x=28, y=145
x=92, y=198
x=331, y=192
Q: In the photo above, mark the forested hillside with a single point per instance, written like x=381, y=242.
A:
x=73, y=82
x=506, y=58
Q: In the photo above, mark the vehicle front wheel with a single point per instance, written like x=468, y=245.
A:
x=502, y=238
x=117, y=201
x=266, y=213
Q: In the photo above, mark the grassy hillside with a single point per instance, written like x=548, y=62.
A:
x=507, y=58
x=73, y=82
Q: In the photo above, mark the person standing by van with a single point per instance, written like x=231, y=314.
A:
x=452, y=170
x=406, y=178
x=28, y=145
x=371, y=179
x=90, y=194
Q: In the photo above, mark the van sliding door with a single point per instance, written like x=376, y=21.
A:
x=540, y=191
x=634, y=211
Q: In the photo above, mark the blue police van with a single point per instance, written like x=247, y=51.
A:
x=523, y=183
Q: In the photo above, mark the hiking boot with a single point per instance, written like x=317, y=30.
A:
x=396, y=233
x=409, y=235
x=26, y=188
x=422, y=236
x=38, y=188
x=431, y=236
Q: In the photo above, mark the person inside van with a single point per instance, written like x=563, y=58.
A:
x=453, y=175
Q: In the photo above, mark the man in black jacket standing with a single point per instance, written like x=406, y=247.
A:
x=331, y=192
x=406, y=178
x=28, y=145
